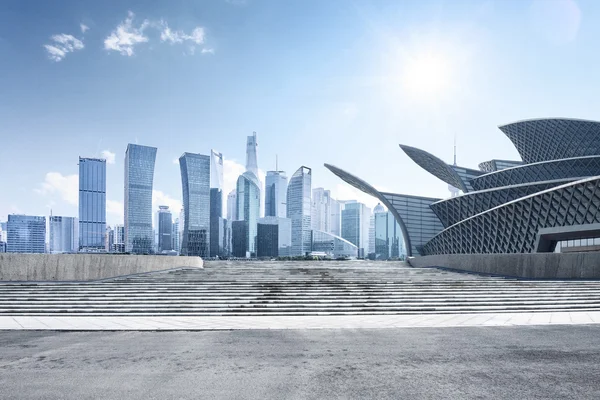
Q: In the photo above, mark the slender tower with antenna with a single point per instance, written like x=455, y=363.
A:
x=454, y=191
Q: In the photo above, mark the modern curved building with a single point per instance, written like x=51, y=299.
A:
x=248, y=209
x=552, y=196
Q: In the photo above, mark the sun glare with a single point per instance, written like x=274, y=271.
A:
x=426, y=77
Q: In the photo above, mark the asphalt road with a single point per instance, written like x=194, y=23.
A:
x=491, y=362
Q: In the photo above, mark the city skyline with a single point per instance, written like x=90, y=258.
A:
x=304, y=96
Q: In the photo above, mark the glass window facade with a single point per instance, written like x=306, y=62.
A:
x=388, y=237
x=139, y=176
x=195, y=180
x=248, y=208
x=299, y=210
x=92, y=204
x=276, y=194
x=165, y=229
x=64, y=234
x=26, y=234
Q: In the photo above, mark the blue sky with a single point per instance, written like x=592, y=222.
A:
x=342, y=82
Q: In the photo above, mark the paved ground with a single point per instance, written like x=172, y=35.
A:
x=500, y=362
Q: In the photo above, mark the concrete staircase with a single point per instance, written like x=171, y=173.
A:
x=297, y=288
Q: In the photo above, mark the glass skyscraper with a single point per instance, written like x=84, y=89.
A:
x=298, y=210
x=248, y=209
x=355, y=226
x=92, y=204
x=195, y=182
x=321, y=210
x=275, y=194
x=26, y=234
x=139, y=175
x=64, y=234
x=217, y=223
x=232, y=206
x=388, y=236
x=165, y=229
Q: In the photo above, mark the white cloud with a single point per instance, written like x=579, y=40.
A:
x=177, y=37
x=176, y=161
x=84, y=28
x=126, y=36
x=115, y=208
x=66, y=186
x=109, y=156
x=61, y=45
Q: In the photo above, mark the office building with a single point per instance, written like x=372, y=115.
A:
x=332, y=246
x=355, y=226
x=175, y=237
x=109, y=242
x=195, y=180
x=232, y=205
x=3, y=232
x=92, y=204
x=274, y=237
x=388, y=237
x=217, y=226
x=248, y=209
x=139, y=177
x=298, y=210
x=276, y=194
x=165, y=229
x=63, y=234
x=119, y=239
x=26, y=234
x=251, y=156
x=239, y=239
x=2, y=247
x=321, y=210
x=335, y=219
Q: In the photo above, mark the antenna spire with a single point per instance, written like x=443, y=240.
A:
x=454, y=149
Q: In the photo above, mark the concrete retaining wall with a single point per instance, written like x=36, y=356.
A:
x=84, y=267
x=534, y=265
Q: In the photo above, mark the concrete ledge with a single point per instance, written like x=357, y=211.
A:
x=530, y=265
x=84, y=267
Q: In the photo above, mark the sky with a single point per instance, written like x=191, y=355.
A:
x=338, y=81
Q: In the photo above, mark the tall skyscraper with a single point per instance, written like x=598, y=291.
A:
x=355, y=225
x=64, y=235
x=217, y=227
x=335, y=217
x=165, y=229
x=298, y=210
x=139, y=176
x=251, y=156
x=232, y=206
x=175, y=237
x=195, y=181
x=276, y=194
x=92, y=204
x=388, y=236
x=321, y=210
x=248, y=209
x=26, y=234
